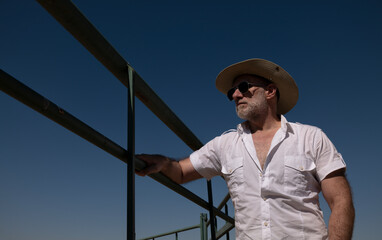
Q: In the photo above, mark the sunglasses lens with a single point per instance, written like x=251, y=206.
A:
x=243, y=87
x=230, y=93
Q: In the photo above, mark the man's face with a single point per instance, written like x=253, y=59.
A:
x=251, y=104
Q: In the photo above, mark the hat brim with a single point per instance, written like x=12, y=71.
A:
x=285, y=83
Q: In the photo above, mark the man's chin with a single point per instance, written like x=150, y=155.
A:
x=240, y=107
x=242, y=115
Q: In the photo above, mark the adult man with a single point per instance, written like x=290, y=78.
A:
x=274, y=169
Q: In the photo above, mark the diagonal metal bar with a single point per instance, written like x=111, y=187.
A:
x=29, y=97
x=224, y=230
x=34, y=100
x=221, y=205
x=224, y=201
x=68, y=15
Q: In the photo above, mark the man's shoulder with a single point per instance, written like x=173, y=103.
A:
x=298, y=125
x=229, y=132
x=227, y=136
x=234, y=131
x=302, y=129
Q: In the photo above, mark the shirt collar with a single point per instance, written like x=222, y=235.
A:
x=285, y=126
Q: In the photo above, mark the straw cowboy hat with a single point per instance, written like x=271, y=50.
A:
x=285, y=83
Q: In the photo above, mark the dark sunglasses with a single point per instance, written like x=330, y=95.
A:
x=243, y=88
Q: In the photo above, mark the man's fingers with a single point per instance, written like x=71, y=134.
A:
x=154, y=164
x=148, y=170
x=148, y=158
x=143, y=157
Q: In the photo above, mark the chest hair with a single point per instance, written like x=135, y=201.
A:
x=262, y=142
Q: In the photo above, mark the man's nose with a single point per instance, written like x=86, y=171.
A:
x=237, y=94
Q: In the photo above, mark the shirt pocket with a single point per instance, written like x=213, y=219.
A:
x=232, y=171
x=299, y=172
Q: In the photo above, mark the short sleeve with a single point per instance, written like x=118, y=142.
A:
x=206, y=160
x=328, y=159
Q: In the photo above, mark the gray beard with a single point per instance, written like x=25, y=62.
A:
x=252, y=110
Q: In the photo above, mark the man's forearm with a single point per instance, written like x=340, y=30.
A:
x=158, y=163
x=180, y=172
x=341, y=221
x=173, y=170
x=337, y=192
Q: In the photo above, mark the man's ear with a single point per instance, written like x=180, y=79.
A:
x=271, y=91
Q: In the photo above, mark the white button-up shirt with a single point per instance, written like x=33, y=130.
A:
x=281, y=200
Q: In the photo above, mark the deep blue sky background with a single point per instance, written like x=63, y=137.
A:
x=55, y=185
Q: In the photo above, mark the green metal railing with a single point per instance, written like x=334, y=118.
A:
x=202, y=226
x=66, y=13
x=34, y=100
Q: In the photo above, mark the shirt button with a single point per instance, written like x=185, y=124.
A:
x=266, y=224
x=264, y=198
x=301, y=168
x=261, y=175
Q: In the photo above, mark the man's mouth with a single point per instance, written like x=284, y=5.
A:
x=240, y=103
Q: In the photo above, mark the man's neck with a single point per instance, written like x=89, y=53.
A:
x=265, y=124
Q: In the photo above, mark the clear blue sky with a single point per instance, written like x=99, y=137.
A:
x=55, y=185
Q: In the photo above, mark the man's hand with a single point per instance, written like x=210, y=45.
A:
x=155, y=163
x=180, y=172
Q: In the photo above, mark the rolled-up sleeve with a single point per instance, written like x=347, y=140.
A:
x=328, y=159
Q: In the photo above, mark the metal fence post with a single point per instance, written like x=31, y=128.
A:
x=211, y=207
x=203, y=227
x=226, y=212
x=131, y=151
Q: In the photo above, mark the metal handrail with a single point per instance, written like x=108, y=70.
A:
x=34, y=100
x=69, y=16
x=65, y=12
x=220, y=233
x=172, y=232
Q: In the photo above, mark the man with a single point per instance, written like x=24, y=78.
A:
x=274, y=169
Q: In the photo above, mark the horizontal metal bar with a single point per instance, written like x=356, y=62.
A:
x=66, y=13
x=172, y=232
x=34, y=100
